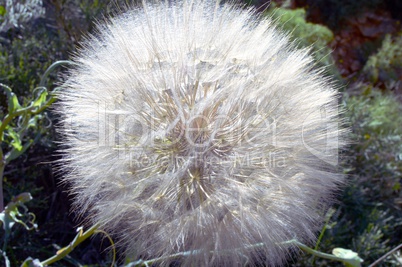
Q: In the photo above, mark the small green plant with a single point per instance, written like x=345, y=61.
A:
x=14, y=127
x=306, y=34
x=369, y=207
x=15, y=213
x=385, y=67
x=377, y=129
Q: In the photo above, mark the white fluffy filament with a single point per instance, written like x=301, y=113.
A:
x=196, y=125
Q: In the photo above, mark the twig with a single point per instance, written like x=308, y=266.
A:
x=386, y=255
x=79, y=238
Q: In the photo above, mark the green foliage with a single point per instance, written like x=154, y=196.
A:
x=16, y=123
x=369, y=205
x=368, y=220
x=63, y=252
x=295, y=22
x=377, y=127
x=372, y=242
x=25, y=54
x=306, y=34
x=376, y=158
x=2, y=10
x=15, y=212
x=18, y=13
x=385, y=67
x=27, y=58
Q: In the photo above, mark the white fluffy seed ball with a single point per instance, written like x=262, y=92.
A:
x=196, y=126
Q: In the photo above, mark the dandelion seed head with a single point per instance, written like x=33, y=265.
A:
x=197, y=126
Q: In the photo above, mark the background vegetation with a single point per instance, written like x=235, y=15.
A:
x=361, y=41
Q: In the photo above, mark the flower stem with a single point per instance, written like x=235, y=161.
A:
x=79, y=238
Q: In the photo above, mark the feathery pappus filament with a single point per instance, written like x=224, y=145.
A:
x=198, y=126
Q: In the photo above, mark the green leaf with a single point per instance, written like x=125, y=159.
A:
x=11, y=214
x=2, y=11
x=33, y=122
x=350, y=258
x=13, y=103
x=29, y=262
x=16, y=142
x=13, y=154
x=41, y=98
x=397, y=186
x=22, y=198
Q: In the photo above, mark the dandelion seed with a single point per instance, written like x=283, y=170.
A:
x=197, y=126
